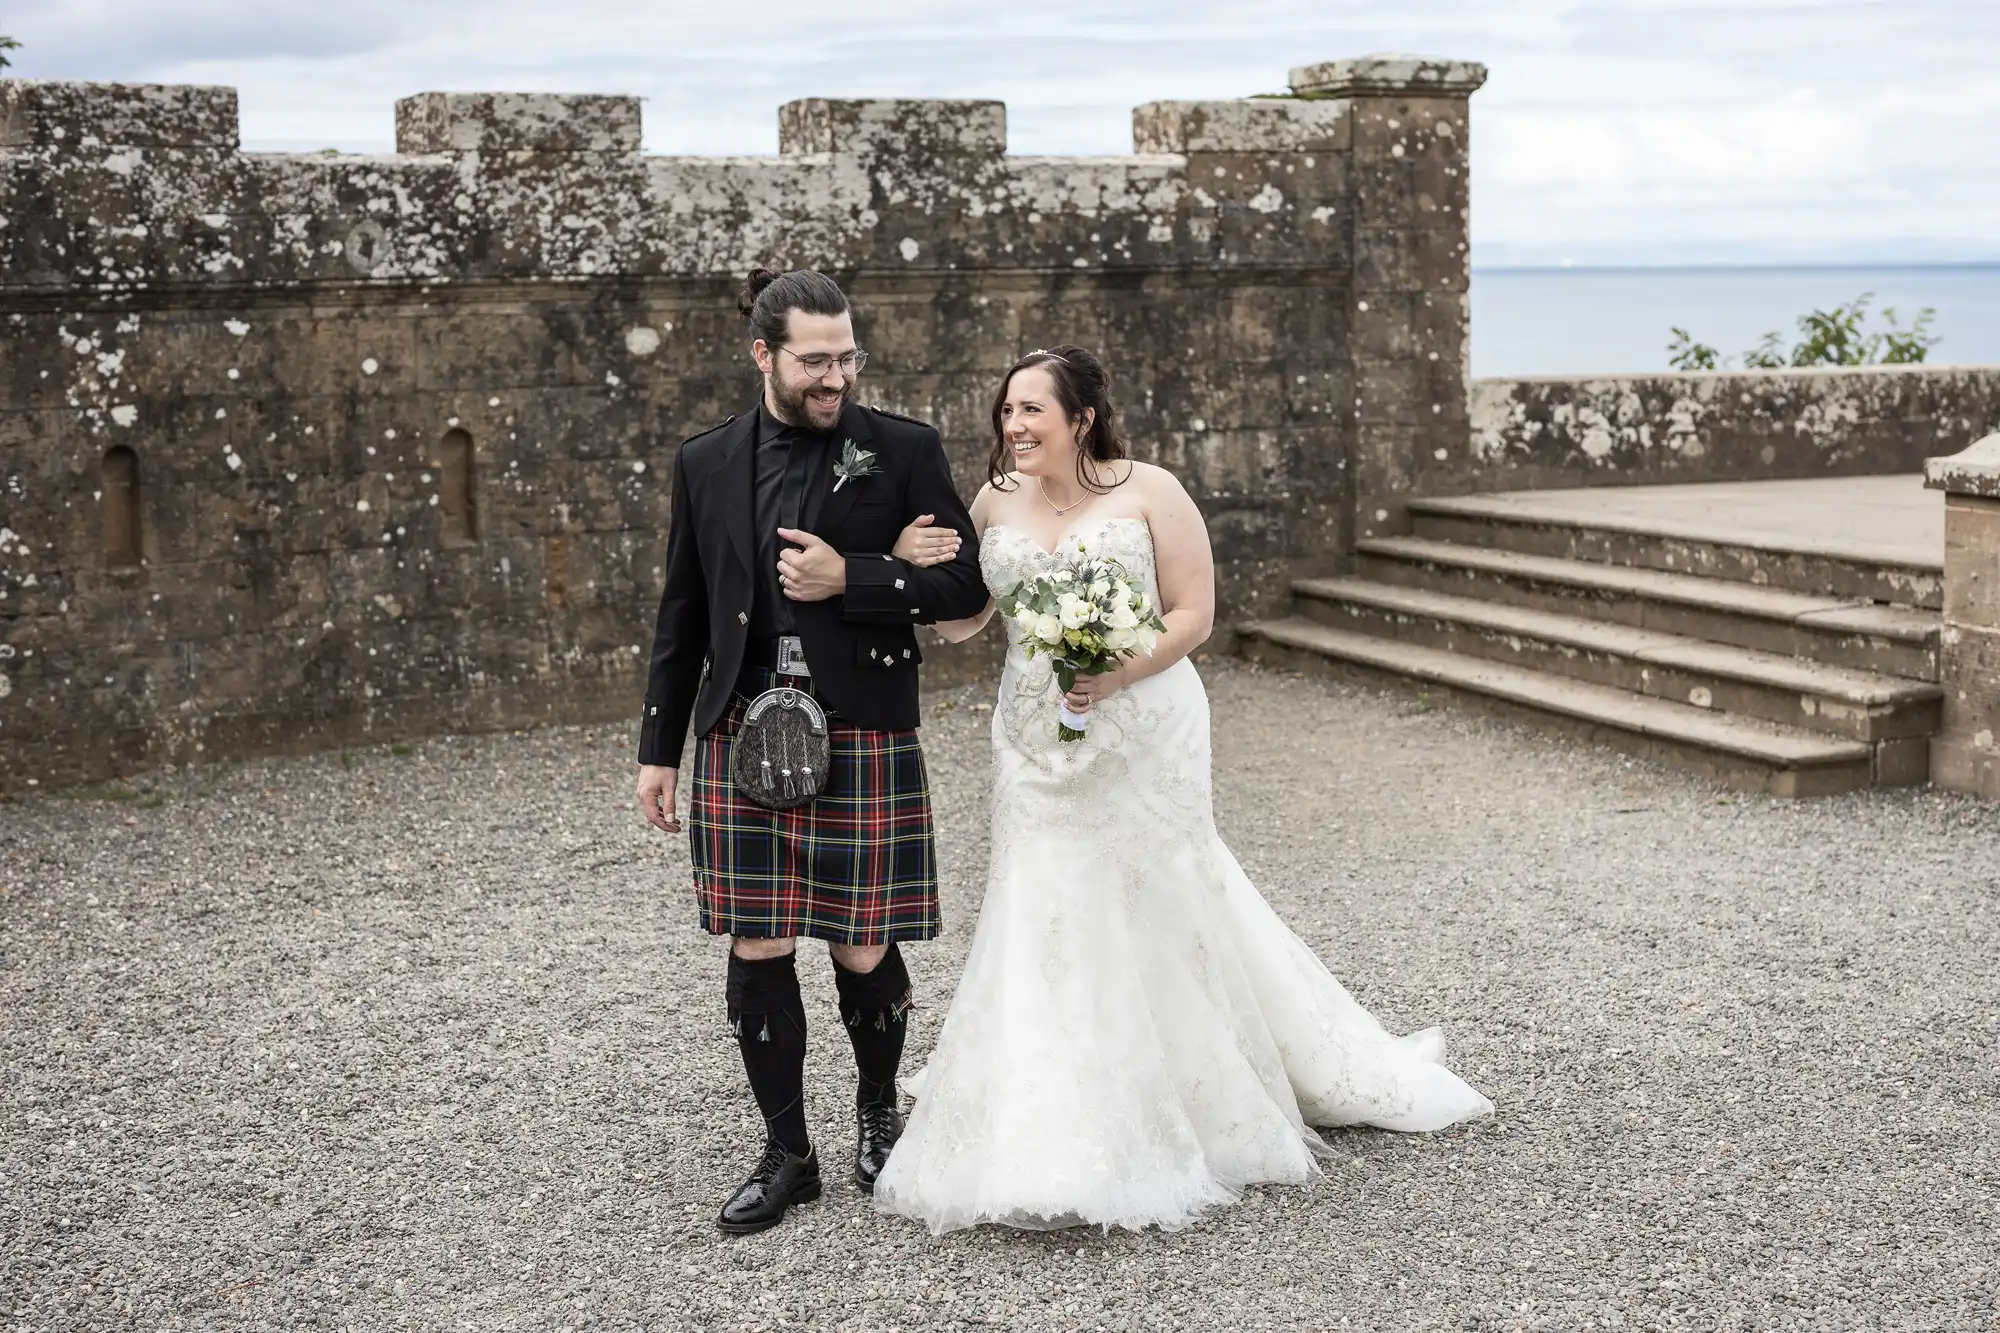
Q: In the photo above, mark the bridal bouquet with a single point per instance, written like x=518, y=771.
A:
x=1087, y=615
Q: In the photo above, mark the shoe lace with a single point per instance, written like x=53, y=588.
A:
x=774, y=1158
x=878, y=1119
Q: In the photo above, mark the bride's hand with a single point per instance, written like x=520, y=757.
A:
x=923, y=545
x=1093, y=689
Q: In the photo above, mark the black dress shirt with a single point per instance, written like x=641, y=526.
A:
x=785, y=458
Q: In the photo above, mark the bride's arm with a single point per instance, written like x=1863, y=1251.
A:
x=958, y=631
x=1186, y=571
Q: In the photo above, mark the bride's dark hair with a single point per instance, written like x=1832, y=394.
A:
x=1082, y=385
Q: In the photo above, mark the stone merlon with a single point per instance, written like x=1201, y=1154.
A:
x=82, y=118
x=516, y=122
x=892, y=128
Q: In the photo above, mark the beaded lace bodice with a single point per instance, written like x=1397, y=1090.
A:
x=1026, y=709
x=1008, y=555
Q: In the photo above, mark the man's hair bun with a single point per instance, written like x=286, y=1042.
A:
x=760, y=278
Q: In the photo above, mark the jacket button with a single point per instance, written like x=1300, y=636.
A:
x=906, y=653
x=899, y=585
x=742, y=617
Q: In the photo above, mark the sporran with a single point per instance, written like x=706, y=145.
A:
x=781, y=753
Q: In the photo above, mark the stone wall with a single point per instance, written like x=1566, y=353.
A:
x=1618, y=430
x=305, y=451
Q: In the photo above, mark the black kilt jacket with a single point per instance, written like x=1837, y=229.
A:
x=862, y=644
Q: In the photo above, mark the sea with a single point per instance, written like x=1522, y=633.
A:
x=1572, y=321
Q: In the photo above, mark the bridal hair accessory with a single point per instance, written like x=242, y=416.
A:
x=1053, y=356
x=853, y=464
x=1086, y=614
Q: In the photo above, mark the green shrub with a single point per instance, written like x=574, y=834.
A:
x=1836, y=337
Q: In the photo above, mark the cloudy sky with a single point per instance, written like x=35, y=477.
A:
x=1610, y=131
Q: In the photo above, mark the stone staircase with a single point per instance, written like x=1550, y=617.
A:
x=1796, y=669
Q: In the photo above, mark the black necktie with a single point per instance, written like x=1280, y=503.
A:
x=792, y=498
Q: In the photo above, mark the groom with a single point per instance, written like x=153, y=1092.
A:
x=779, y=574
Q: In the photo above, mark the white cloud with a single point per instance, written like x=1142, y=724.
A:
x=1801, y=131
x=1608, y=131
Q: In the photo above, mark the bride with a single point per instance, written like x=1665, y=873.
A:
x=1137, y=1035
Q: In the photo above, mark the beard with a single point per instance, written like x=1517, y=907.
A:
x=795, y=407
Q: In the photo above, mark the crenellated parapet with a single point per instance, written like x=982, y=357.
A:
x=305, y=449
x=139, y=185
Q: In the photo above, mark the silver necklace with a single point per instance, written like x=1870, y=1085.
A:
x=1042, y=486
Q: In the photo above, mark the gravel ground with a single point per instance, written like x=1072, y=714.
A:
x=423, y=1037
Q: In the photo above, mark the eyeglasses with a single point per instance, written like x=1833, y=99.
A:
x=818, y=363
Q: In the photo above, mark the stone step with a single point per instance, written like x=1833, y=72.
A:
x=1859, y=705
x=1846, y=632
x=1850, y=569
x=1746, y=752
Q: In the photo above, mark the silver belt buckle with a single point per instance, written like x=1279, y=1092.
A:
x=792, y=656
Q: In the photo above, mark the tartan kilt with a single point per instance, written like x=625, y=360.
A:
x=856, y=865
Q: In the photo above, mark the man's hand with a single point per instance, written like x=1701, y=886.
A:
x=812, y=573
x=657, y=788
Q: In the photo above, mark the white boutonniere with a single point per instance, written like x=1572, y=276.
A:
x=853, y=464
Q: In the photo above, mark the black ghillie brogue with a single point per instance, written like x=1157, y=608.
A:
x=782, y=1178
x=877, y=1127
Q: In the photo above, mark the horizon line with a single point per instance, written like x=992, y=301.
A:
x=1727, y=266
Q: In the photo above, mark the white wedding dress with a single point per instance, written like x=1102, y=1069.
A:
x=1137, y=1035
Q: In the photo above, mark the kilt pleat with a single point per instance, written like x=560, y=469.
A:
x=856, y=865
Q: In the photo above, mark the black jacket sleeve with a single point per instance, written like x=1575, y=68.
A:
x=680, y=638
x=882, y=590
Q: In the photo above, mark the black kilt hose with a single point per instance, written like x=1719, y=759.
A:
x=856, y=865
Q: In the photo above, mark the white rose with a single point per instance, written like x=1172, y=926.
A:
x=1122, y=617
x=1024, y=622
x=1063, y=576
x=1121, y=640
x=1048, y=629
x=1100, y=588
x=1147, y=636
x=1074, y=612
